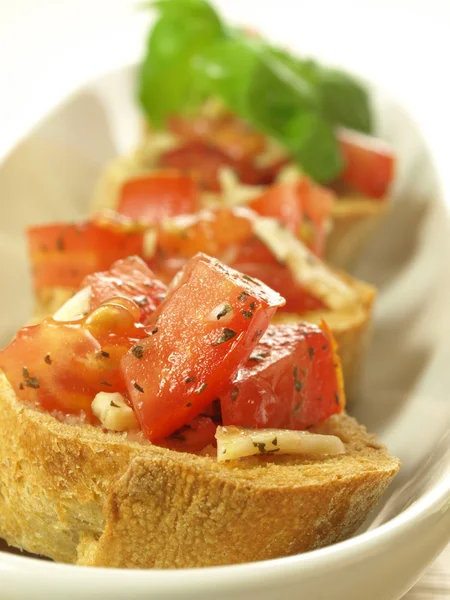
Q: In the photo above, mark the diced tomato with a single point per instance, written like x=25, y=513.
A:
x=228, y=234
x=290, y=202
x=279, y=278
x=370, y=163
x=291, y=381
x=282, y=202
x=206, y=327
x=211, y=231
x=63, y=254
x=166, y=268
x=154, y=197
x=200, y=160
x=195, y=436
x=128, y=278
x=62, y=365
x=207, y=144
x=228, y=133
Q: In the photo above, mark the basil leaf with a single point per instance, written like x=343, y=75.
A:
x=168, y=83
x=342, y=100
x=277, y=94
x=227, y=66
x=312, y=142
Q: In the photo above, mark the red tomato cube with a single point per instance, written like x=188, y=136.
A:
x=153, y=198
x=291, y=381
x=128, y=278
x=204, y=330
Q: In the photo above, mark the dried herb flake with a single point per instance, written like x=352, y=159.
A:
x=32, y=382
x=138, y=352
x=60, y=244
x=227, y=335
x=247, y=314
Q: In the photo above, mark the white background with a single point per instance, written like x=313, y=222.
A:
x=48, y=47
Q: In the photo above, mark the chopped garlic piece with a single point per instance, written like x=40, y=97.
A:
x=237, y=442
x=76, y=307
x=150, y=241
x=274, y=153
x=156, y=144
x=308, y=270
x=222, y=313
x=290, y=174
x=234, y=192
x=113, y=412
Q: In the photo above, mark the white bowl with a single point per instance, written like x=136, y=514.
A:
x=404, y=398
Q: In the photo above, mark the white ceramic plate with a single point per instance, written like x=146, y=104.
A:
x=404, y=396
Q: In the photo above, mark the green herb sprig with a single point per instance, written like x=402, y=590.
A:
x=192, y=55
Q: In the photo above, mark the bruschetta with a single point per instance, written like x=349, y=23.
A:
x=229, y=100
x=182, y=430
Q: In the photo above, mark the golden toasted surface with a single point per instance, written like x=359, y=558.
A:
x=355, y=220
x=78, y=494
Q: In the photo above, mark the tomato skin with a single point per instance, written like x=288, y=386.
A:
x=193, y=437
x=215, y=232
x=61, y=366
x=199, y=160
x=289, y=382
x=63, y=254
x=155, y=197
x=227, y=133
x=370, y=164
x=193, y=349
x=291, y=202
x=282, y=202
x=228, y=234
x=208, y=144
x=127, y=278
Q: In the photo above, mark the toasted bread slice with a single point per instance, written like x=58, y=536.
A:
x=355, y=219
x=79, y=495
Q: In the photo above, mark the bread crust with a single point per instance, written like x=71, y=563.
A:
x=80, y=495
x=355, y=220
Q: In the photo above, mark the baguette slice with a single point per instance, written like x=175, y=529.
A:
x=79, y=495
